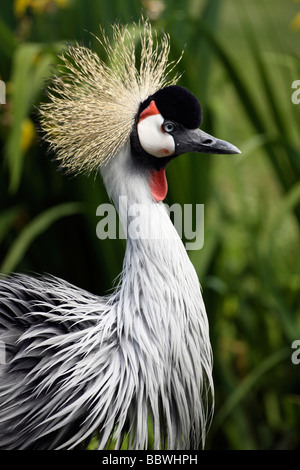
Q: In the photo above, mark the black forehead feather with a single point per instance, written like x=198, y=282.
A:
x=178, y=104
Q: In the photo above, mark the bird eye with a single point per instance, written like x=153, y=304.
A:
x=168, y=126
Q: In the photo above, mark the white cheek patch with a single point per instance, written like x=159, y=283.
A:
x=153, y=139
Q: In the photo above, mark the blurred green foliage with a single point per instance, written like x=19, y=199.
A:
x=240, y=59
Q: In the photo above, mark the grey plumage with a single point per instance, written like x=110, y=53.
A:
x=79, y=364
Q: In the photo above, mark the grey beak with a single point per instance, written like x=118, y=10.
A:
x=196, y=140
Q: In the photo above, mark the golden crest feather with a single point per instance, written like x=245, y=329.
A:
x=93, y=105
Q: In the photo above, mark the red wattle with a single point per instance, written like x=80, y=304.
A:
x=158, y=184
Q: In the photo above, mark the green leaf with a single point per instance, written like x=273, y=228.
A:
x=246, y=385
x=35, y=228
x=7, y=217
x=31, y=66
x=8, y=42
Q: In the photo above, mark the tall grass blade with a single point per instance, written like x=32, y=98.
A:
x=245, y=387
x=35, y=228
x=31, y=66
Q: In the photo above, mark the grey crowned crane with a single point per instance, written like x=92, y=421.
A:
x=78, y=364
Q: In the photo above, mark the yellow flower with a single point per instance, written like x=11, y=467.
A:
x=37, y=6
x=295, y=24
x=64, y=3
x=28, y=134
x=20, y=7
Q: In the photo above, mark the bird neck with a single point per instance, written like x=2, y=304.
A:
x=159, y=314
x=156, y=264
x=145, y=221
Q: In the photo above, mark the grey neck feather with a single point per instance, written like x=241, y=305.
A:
x=161, y=317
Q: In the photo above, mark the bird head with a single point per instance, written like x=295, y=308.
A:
x=96, y=108
x=167, y=125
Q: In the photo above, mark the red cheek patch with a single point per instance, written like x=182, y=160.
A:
x=151, y=110
x=158, y=184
